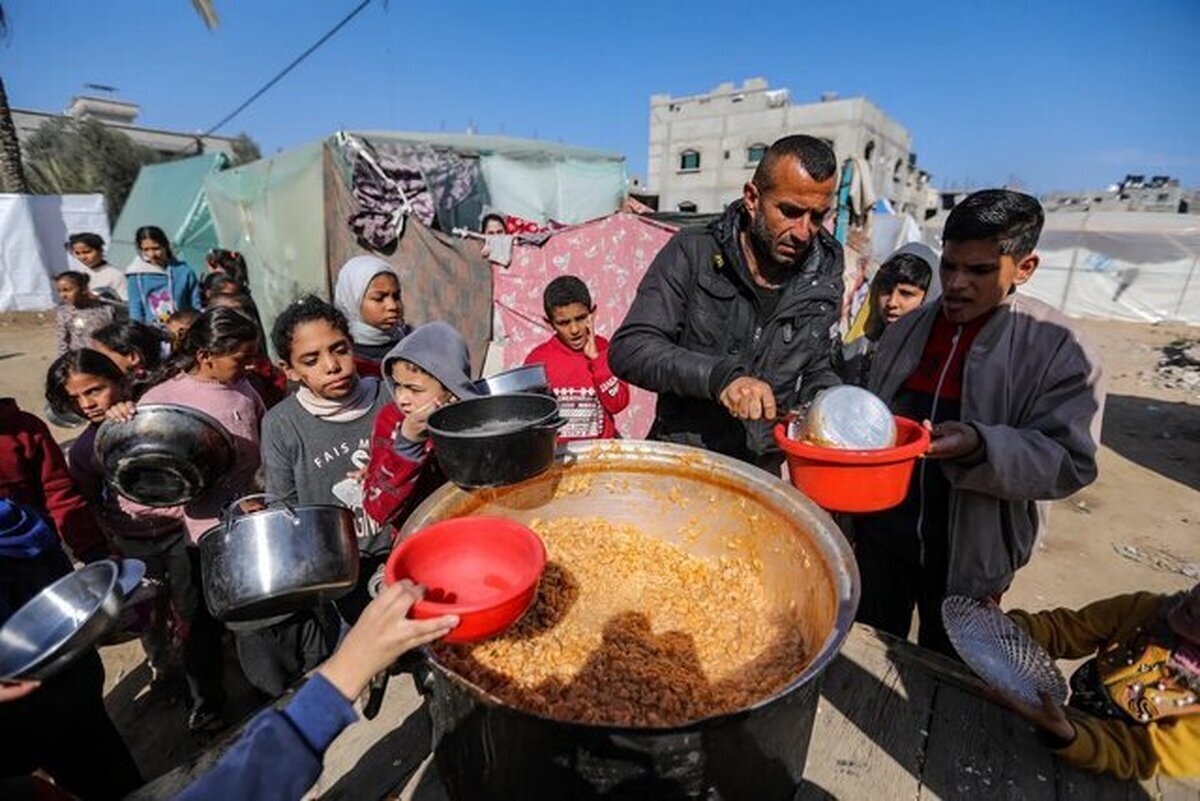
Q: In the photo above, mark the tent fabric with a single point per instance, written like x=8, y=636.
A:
x=171, y=196
x=441, y=278
x=1134, y=266
x=33, y=235
x=611, y=255
x=271, y=211
x=539, y=181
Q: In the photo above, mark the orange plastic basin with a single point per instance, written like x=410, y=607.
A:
x=855, y=481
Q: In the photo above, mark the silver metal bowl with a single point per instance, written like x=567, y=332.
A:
x=529, y=378
x=278, y=561
x=60, y=623
x=166, y=455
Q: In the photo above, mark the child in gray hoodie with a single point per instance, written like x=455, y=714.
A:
x=430, y=368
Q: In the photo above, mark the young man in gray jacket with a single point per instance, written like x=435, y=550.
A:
x=1013, y=399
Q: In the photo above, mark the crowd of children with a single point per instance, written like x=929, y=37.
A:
x=1011, y=394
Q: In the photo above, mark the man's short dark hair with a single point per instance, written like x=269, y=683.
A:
x=1012, y=220
x=815, y=156
x=563, y=291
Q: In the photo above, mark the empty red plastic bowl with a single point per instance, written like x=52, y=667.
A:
x=855, y=481
x=483, y=569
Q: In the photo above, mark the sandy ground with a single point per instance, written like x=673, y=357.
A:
x=1136, y=528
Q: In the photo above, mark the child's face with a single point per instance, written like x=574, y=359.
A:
x=573, y=324
x=227, y=368
x=178, y=330
x=1184, y=619
x=153, y=252
x=381, y=304
x=87, y=255
x=70, y=292
x=976, y=278
x=493, y=227
x=416, y=389
x=322, y=359
x=899, y=301
x=93, y=395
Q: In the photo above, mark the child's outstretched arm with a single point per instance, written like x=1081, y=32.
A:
x=1053, y=452
x=280, y=754
x=612, y=391
x=1079, y=633
x=1134, y=750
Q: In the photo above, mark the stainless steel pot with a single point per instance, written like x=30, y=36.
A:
x=166, y=455
x=528, y=378
x=278, y=561
x=60, y=623
x=488, y=749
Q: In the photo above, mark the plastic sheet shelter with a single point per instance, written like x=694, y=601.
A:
x=171, y=196
x=33, y=236
x=611, y=255
x=287, y=216
x=1135, y=266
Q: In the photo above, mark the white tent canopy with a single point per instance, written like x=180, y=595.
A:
x=33, y=232
x=1135, y=266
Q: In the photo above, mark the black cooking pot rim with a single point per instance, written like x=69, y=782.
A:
x=524, y=427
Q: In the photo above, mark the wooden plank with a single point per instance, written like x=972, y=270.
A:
x=978, y=750
x=870, y=727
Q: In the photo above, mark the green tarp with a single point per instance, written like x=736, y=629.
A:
x=171, y=196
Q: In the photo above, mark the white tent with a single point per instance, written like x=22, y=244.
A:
x=33, y=233
x=1136, y=266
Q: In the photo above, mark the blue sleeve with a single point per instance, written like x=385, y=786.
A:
x=134, y=288
x=195, y=284
x=279, y=755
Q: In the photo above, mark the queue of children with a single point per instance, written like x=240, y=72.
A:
x=1011, y=394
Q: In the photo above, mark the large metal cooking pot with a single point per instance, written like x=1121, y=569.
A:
x=166, y=455
x=495, y=441
x=60, y=623
x=486, y=749
x=528, y=378
x=278, y=561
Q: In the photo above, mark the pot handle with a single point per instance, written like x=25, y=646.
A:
x=234, y=508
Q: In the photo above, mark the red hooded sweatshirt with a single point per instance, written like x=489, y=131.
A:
x=33, y=472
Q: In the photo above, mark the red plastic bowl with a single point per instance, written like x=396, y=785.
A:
x=855, y=481
x=483, y=569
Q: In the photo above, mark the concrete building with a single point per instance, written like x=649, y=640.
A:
x=1160, y=193
x=703, y=148
x=121, y=115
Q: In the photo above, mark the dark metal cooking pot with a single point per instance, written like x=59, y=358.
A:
x=277, y=561
x=488, y=749
x=166, y=455
x=528, y=378
x=497, y=440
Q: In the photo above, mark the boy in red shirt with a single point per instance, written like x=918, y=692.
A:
x=576, y=361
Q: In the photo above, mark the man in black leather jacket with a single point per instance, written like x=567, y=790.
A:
x=734, y=324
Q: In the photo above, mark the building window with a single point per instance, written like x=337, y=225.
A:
x=687, y=207
x=755, y=153
x=896, y=171
x=869, y=150
x=689, y=160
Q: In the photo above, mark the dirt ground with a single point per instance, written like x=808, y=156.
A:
x=1136, y=528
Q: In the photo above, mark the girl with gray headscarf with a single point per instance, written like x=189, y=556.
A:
x=368, y=293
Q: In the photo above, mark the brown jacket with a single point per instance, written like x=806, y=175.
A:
x=1032, y=388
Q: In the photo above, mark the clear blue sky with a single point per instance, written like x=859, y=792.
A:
x=1055, y=94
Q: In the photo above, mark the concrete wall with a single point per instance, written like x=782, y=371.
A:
x=724, y=124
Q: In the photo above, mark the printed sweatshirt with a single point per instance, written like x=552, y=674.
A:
x=589, y=395
x=155, y=293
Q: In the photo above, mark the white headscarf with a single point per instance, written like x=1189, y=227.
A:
x=930, y=257
x=352, y=282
